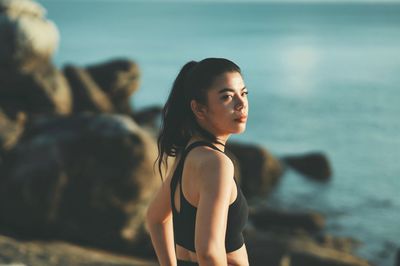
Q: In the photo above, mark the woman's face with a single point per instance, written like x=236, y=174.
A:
x=227, y=108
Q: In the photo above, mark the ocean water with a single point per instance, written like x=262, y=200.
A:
x=321, y=77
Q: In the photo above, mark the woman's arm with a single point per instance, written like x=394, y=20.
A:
x=159, y=223
x=215, y=187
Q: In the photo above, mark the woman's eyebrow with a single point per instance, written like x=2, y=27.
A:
x=229, y=89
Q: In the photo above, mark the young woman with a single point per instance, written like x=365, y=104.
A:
x=198, y=215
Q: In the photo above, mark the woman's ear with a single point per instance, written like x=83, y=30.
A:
x=198, y=109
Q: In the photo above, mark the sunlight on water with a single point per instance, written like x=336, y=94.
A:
x=299, y=65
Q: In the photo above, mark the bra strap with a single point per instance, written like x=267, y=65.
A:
x=201, y=143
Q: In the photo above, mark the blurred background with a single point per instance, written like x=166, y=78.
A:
x=321, y=76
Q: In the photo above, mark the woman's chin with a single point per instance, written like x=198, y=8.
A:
x=240, y=128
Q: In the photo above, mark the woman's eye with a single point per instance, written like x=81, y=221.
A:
x=225, y=97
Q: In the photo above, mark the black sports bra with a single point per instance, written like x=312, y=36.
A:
x=184, y=220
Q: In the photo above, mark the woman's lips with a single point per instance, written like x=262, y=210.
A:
x=241, y=119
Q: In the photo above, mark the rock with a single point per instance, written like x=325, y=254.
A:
x=104, y=88
x=345, y=244
x=87, y=96
x=85, y=178
x=264, y=249
x=313, y=255
x=314, y=165
x=148, y=117
x=268, y=219
x=15, y=252
x=27, y=39
x=43, y=91
x=259, y=170
x=10, y=131
x=17, y=8
x=28, y=81
x=397, y=263
x=119, y=79
x=276, y=248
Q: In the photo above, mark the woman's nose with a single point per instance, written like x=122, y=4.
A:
x=241, y=103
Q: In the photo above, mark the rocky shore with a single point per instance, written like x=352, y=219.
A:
x=35, y=252
x=76, y=164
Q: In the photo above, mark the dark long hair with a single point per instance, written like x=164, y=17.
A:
x=178, y=122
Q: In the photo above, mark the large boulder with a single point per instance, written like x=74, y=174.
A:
x=42, y=91
x=314, y=165
x=29, y=82
x=27, y=38
x=105, y=87
x=87, y=95
x=259, y=170
x=119, y=79
x=86, y=178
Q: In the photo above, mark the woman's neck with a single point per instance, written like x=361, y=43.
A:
x=201, y=138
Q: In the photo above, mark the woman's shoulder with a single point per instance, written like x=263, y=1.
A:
x=207, y=155
x=207, y=161
x=213, y=175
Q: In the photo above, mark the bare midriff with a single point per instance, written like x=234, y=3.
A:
x=234, y=258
